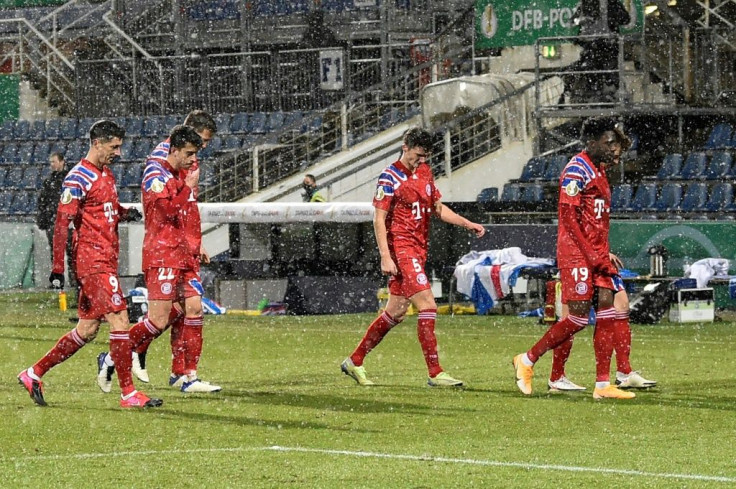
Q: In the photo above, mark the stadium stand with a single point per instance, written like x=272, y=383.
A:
x=645, y=197
x=694, y=166
x=695, y=198
x=511, y=193
x=719, y=166
x=489, y=194
x=720, y=137
x=669, y=198
x=533, y=170
x=621, y=197
x=670, y=168
x=721, y=197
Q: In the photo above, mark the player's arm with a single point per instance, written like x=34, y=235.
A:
x=379, y=227
x=174, y=199
x=61, y=234
x=129, y=214
x=451, y=217
x=569, y=218
x=204, y=257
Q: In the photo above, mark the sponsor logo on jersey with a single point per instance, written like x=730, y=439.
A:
x=66, y=196
x=428, y=188
x=422, y=279
x=116, y=299
x=380, y=194
x=581, y=288
x=572, y=189
x=157, y=186
x=166, y=288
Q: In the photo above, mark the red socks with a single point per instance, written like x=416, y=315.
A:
x=428, y=340
x=121, y=353
x=143, y=332
x=622, y=342
x=559, y=359
x=373, y=336
x=192, y=339
x=68, y=345
x=178, y=347
x=603, y=343
x=557, y=334
x=173, y=316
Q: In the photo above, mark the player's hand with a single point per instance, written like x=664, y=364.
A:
x=388, y=267
x=477, y=229
x=56, y=280
x=616, y=261
x=192, y=178
x=204, y=257
x=133, y=215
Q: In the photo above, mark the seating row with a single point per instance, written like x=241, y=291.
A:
x=674, y=197
x=722, y=136
x=145, y=126
x=697, y=166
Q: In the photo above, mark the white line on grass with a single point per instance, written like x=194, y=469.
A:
x=390, y=456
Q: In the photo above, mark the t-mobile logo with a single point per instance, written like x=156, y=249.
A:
x=599, y=206
x=109, y=211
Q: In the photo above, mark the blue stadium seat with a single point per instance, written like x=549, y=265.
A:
x=25, y=151
x=126, y=150
x=292, y=118
x=170, y=121
x=41, y=152
x=720, y=137
x=14, y=177
x=257, y=123
x=511, y=193
x=721, y=197
x=21, y=203
x=30, y=177
x=117, y=169
x=695, y=198
x=76, y=150
x=6, y=200
x=38, y=130
x=669, y=198
x=532, y=193
x=141, y=149
x=275, y=121
x=231, y=142
x=694, y=166
x=533, y=170
x=6, y=130
x=3, y=172
x=132, y=175
x=671, y=167
x=68, y=128
x=22, y=129
x=719, y=167
x=58, y=147
x=127, y=195
x=10, y=152
x=645, y=197
x=214, y=11
x=53, y=129
x=621, y=197
x=223, y=122
x=555, y=165
x=239, y=123
x=153, y=127
x=133, y=127
x=84, y=125
x=489, y=194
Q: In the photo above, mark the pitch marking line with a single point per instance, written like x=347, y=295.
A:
x=389, y=456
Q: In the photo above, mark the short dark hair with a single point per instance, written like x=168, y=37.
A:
x=181, y=135
x=417, y=136
x=200, y=120
x=311, y=177
x=594, y=127
x=58, y=155
x=105, y=130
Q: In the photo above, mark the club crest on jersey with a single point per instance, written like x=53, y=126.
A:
x=581, y=288
x=157, y=186
x=572, y=189
x=422, y=279
x=380, y=194
x=428, y=188
x=66, y=196
x=116, y=299
x=166, y=288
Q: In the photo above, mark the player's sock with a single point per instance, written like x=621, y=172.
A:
x=622, y=342
x=559, y=359
x=178, y=347
x=142, y=349
x=121, y=352
x=373, y=336
x=428, y=340
x=557, y=334
x=193, y=343
x=143, y=332
x=68, y=345
x=603, y=343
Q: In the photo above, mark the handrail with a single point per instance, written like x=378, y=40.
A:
x=43, y=39
x=86, y=14
x=124, y=35
x=58, y=9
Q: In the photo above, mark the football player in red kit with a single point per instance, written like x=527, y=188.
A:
x=89, y=200
x=405, y=199
x=583, y=257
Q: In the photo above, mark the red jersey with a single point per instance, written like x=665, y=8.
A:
x=89, y=199
x=584, y=187
x=409, y=199
x=165, y=197
x=190, y=211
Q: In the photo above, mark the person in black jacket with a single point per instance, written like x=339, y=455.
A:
x=48, y=200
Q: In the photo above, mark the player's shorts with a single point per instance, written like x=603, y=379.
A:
x=99, y=295
x=411, y=277
x=579, y=284
x=172, y=284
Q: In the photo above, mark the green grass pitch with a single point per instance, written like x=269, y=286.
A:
x=288, y=418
